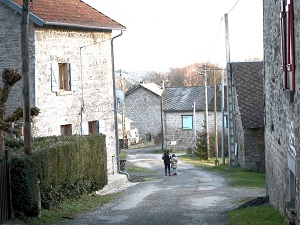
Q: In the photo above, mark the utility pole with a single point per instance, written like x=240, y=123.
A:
x=223, y=120
x=231, y=144
x=195, y=130
x=123, y=113
x=215, y=118
x=206, y=112
x=25, y=74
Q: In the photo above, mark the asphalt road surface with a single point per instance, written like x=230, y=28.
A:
x=194, y=196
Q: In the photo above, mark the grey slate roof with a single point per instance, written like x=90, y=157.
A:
x=248, y=81
x=182, y=98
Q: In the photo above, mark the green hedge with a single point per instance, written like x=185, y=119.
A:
x=65, y=167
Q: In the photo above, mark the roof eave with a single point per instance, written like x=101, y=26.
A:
x=82, y=26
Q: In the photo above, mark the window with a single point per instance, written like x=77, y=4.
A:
x=287, y=44
x=187, y=122
x=66, y=129
x=93, y=127
x=62, y=77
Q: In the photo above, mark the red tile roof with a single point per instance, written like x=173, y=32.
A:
x=70, y=13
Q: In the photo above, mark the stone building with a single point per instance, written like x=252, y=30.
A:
x=282, y=103
x=178, y=114
x=70, y=67
x=249, y=114
x=143, y=107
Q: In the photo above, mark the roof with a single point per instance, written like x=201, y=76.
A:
x=71, y=13
x=248, y=80
x=183, y=98
x=152, y=87
x=156, y=89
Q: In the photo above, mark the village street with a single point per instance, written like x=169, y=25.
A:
x=194, y=196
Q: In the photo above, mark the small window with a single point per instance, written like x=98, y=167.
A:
x=64, y=76
x=93, y=127
x=66, y=129
x=187, y=122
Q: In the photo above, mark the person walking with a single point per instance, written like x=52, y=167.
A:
x=167, y=161
x=174, y=162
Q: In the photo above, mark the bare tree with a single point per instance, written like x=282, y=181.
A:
x=9, y=78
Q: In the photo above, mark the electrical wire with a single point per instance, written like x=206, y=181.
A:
x=233, y=6
x=219, y=32
x=214, y=47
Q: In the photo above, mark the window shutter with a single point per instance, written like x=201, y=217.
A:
x=84, y=128
x=101, y=126
x=283, y=44
x=54, y=77
x=290, y=43
x=73, y=77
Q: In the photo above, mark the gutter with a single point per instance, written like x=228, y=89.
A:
x=115, y=107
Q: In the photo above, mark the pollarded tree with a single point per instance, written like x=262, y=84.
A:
x=10, y=76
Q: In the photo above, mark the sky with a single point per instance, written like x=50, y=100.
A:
x=164, y=34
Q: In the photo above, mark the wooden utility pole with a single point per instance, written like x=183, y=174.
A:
x=215, y=119
x=25, y=73
x=231, y=144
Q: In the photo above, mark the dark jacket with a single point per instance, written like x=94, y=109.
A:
x=167, y=158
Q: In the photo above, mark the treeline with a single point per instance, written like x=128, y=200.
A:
x=192, y=75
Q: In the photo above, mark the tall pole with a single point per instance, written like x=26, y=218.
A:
x=194, y=125
x=25, y=73
x=223, y=121
x=206, y=113
x=161, y=115
x=123, y=113
x=231, y=144
x=215, y=119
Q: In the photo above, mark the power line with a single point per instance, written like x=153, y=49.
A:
x=219, y=32
x=215, y=42
x=233, y=6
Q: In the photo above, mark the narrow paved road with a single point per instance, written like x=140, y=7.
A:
x=194, y=196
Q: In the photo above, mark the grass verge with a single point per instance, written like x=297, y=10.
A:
x=69, y=209
x=262, y=215
x=139, y=174
x=237, y=176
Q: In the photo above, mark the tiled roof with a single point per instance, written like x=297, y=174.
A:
x=183, y=98
x=73, y=13
x=156, y=89
x=248, y=81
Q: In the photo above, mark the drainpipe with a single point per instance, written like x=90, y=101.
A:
x=115, y=107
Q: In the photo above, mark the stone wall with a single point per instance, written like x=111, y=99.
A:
x=143, y=107
x=92, y=100
x=250, y=144
x=282, y=123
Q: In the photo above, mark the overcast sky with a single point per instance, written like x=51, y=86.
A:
x=162, y=34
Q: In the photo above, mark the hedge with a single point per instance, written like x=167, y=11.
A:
x=59, y=168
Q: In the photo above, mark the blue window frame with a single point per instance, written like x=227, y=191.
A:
x=187, y=122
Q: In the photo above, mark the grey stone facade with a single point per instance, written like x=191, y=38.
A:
x=143, y=107
x=282, y=123
x=91, y=100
